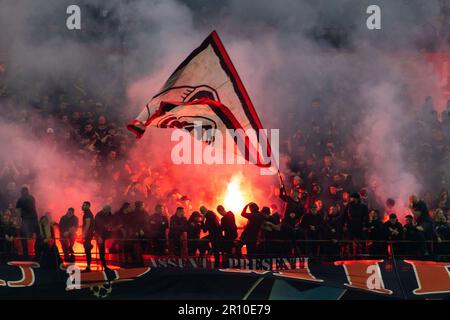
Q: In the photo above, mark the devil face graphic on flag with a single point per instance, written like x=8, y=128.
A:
x=206, y=89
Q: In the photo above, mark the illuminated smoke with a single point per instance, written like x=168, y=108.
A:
x=234, y=198
x=280, y=62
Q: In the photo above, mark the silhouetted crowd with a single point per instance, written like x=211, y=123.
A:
x=347, y=229
x=329, y=207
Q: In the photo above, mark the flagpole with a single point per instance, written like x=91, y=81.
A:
x=276, y=164
x=272, y=159
x=281, y=180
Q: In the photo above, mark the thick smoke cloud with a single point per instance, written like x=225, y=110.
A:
x=287, y=53
x=54, y=170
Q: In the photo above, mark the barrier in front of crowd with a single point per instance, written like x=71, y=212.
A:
x=304, y=269
x=243, y=277
x=116, y=247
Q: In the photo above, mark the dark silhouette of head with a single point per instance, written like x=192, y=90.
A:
x=24, y=191
x=253, y=207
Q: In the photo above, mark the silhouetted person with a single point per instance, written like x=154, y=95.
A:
x=411, y=237
x=442, y=230
x=212, y=226
x=194, y=229
x=178, y=231
x=355, y=218
x=297, y=202
x=130, y=232
x=271, y=236
x=424, y=224
x=394, y=233
x=103, y=228
x=158, y=230
x=312, y=223
x=229, y=229
x=251, y=231
x=376, y=233
x=140, y=218
x=8, y=233
x=288, y=233
x=333, y=231
x=49, y=255
x=418, y=205
x=118, y=233
x=87, y=233
x=68, y=225
x=28, y=213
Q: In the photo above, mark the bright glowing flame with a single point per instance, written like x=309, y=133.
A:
x=238, y=193
x=234, y=198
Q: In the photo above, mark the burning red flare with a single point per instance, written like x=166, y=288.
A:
x=236, y=197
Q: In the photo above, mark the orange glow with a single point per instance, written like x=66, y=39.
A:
x=236, y=197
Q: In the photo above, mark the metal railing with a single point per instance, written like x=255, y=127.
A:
x=141, y=248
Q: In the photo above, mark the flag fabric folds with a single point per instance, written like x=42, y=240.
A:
x=206, y=89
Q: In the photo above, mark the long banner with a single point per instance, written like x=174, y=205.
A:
x=268, y=278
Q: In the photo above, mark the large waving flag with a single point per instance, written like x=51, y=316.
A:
x=206, y=89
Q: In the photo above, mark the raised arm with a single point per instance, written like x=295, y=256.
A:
x=244, y=212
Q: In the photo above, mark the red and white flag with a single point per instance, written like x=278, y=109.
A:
x=206, y=89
